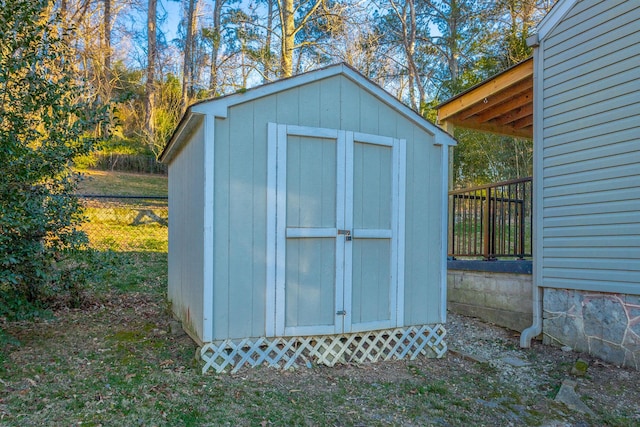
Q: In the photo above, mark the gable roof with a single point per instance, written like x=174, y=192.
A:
x=219, y=106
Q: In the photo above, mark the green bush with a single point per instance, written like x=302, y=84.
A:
x=45, y=125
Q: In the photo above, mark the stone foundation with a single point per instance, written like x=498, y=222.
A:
x=603, y=325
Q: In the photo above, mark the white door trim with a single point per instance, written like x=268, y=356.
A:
x=277, y=232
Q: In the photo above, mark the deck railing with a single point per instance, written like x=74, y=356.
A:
x=491, y=221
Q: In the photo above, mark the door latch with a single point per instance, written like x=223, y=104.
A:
x=341, y=312
x=347, y=234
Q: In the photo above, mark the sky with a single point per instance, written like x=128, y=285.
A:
x=172, y=10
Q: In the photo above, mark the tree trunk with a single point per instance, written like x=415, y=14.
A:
x=151, y=65
x=410, y=48
x=288, y=38
x=215, y=47
x=289, y=30
x=187, y=64
x=266, y=76
x=63, y=12
x=454, y=49
x=107, y=49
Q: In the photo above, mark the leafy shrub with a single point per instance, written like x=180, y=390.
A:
x=45, y=122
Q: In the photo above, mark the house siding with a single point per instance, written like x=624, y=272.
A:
x=186, y=263
x=591, y=151
x=240, y=198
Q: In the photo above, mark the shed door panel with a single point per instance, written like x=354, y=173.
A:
x=310, y=283
x=311, y=199
x=311, y=182
x=334, y=200
x=370, y=216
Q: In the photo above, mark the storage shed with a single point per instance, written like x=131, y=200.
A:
x=307, y=224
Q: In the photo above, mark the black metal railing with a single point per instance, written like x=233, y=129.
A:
x=492, y=221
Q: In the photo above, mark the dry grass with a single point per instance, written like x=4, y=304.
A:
x=122, y=183
x=113, y=362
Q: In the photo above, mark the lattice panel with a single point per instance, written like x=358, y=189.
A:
x=288, y=352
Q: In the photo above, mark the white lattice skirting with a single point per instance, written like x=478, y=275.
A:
x=288, y=352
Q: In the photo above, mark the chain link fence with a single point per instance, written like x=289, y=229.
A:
x=126, y=223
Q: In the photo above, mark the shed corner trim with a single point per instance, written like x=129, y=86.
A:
x=216, y=108
x=444, y=139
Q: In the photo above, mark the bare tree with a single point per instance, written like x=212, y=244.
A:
x=187, y=65
x=405, y=13
x=216, y=41
x=289, y=30
x=267, y=57
x=151, y=65
x=106, y=50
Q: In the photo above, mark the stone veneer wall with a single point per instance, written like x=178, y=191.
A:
x=604, y=325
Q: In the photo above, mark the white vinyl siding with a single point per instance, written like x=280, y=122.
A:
x=591, y=149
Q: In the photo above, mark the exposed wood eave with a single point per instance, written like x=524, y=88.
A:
x=503, y=104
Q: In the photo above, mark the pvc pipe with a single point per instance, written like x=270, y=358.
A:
x=536, y=328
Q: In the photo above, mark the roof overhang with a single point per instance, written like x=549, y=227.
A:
x=502, y=104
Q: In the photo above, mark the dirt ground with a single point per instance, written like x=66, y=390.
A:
x=114, y=362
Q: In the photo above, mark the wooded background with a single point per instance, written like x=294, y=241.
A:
x=421, y=51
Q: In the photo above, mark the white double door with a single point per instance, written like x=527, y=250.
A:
x=339, y=246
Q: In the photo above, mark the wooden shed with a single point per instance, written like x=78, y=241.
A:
x=307, y=224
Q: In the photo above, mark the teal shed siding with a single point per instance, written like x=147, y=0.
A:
x=590, y=159
x=186, y=263
x=241, y=254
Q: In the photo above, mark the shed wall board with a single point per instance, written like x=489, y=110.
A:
x=241, y=197
x=186, y=234
x=423, y=180
x=240, y=220
x=423, y=257
x=590, y=157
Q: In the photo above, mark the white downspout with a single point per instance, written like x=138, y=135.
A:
x=536, y=328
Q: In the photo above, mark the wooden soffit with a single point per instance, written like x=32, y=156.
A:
x=502, y=104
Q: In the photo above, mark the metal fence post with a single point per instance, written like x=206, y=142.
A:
x=485, y=224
